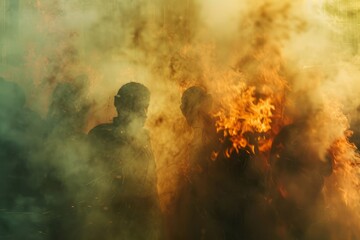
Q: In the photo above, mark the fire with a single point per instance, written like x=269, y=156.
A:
x=342, y=188
x=346, y=172
x=242, y=114
x=250, y=104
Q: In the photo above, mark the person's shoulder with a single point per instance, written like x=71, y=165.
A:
x=101, y=130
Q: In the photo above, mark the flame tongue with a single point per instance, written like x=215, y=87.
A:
x=243, y=117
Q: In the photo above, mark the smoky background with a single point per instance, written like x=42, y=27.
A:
x=70, y=58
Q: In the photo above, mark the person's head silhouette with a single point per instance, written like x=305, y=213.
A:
x=132, y=102
x=195, y=103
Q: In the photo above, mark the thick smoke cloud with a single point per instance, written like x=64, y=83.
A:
x=297, y=59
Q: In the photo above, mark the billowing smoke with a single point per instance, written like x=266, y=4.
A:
x=266, y=64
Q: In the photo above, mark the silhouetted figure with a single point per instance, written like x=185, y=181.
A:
x=65, y=154
x=127, y=206
x=19, y=200
x=237, y=192
x=220, y=187
x=298, y=172
x=191, y=219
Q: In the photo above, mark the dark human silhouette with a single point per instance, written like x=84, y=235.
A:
x=127, y=206
x=191, y=218
x=65, y=148
x=298, y=174
x=220, y=188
